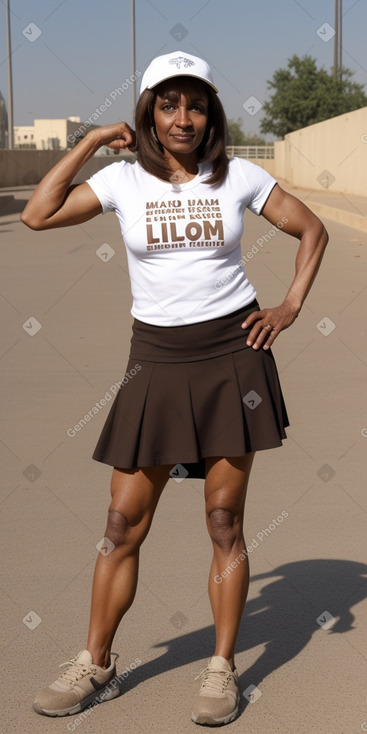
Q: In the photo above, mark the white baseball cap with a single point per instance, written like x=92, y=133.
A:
x=174, y=64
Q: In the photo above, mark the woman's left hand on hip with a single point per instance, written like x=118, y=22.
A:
x=267, y=324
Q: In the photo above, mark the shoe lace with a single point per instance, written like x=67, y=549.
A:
x=214, y=681
x=76, y=670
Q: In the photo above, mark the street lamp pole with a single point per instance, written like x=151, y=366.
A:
x=337, y=70
x=133, y=52
x=340, y=37
x=10, y=80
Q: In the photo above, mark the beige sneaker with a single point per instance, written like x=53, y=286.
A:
x=218, y=699
x=82, y=684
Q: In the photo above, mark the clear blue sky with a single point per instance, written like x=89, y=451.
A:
x=82, y=50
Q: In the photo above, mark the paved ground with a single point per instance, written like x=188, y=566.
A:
x=303, y=637
x=347, y=209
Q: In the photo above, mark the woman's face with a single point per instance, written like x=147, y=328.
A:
x=181, y=115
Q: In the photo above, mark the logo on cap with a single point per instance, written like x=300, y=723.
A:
x=182, y=60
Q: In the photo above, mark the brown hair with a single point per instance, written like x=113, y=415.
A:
x=212, y=147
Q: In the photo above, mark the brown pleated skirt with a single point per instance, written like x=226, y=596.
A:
x=191, y=392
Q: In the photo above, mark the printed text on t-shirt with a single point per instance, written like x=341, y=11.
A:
x=174, y=224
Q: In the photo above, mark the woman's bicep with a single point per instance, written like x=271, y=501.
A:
x=289, y=213
x=80, y=205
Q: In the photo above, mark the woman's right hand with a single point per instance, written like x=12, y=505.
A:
x=116, y=136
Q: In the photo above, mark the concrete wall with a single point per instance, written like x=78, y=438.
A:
x=279, y=159
x=329, y=155
x=27, y=167
x=268, y=164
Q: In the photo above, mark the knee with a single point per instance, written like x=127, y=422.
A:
x=221, y=526
x=117, y=528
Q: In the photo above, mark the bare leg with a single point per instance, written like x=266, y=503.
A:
x=135, y=494
x=225, y=493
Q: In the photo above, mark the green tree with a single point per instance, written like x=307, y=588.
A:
x=3, y=122
x=236, y=134
x=304, y=95
x=238, y=137
x=253, y=139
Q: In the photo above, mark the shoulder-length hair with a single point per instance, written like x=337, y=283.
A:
x=150, y=152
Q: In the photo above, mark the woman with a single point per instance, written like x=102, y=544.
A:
x=205, y=394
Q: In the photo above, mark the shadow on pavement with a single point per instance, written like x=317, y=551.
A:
x=283, y=617
x=10, y=205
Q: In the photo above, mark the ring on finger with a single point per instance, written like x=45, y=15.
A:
x=268, y=326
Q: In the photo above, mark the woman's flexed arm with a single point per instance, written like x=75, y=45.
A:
x=55, y=202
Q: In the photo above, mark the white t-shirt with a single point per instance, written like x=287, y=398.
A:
x=183, y=241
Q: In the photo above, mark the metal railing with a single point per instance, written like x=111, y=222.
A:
x=250, y=151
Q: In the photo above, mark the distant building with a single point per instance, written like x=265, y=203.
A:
x=50, y=134
x=3, y=123
x=24, y=137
